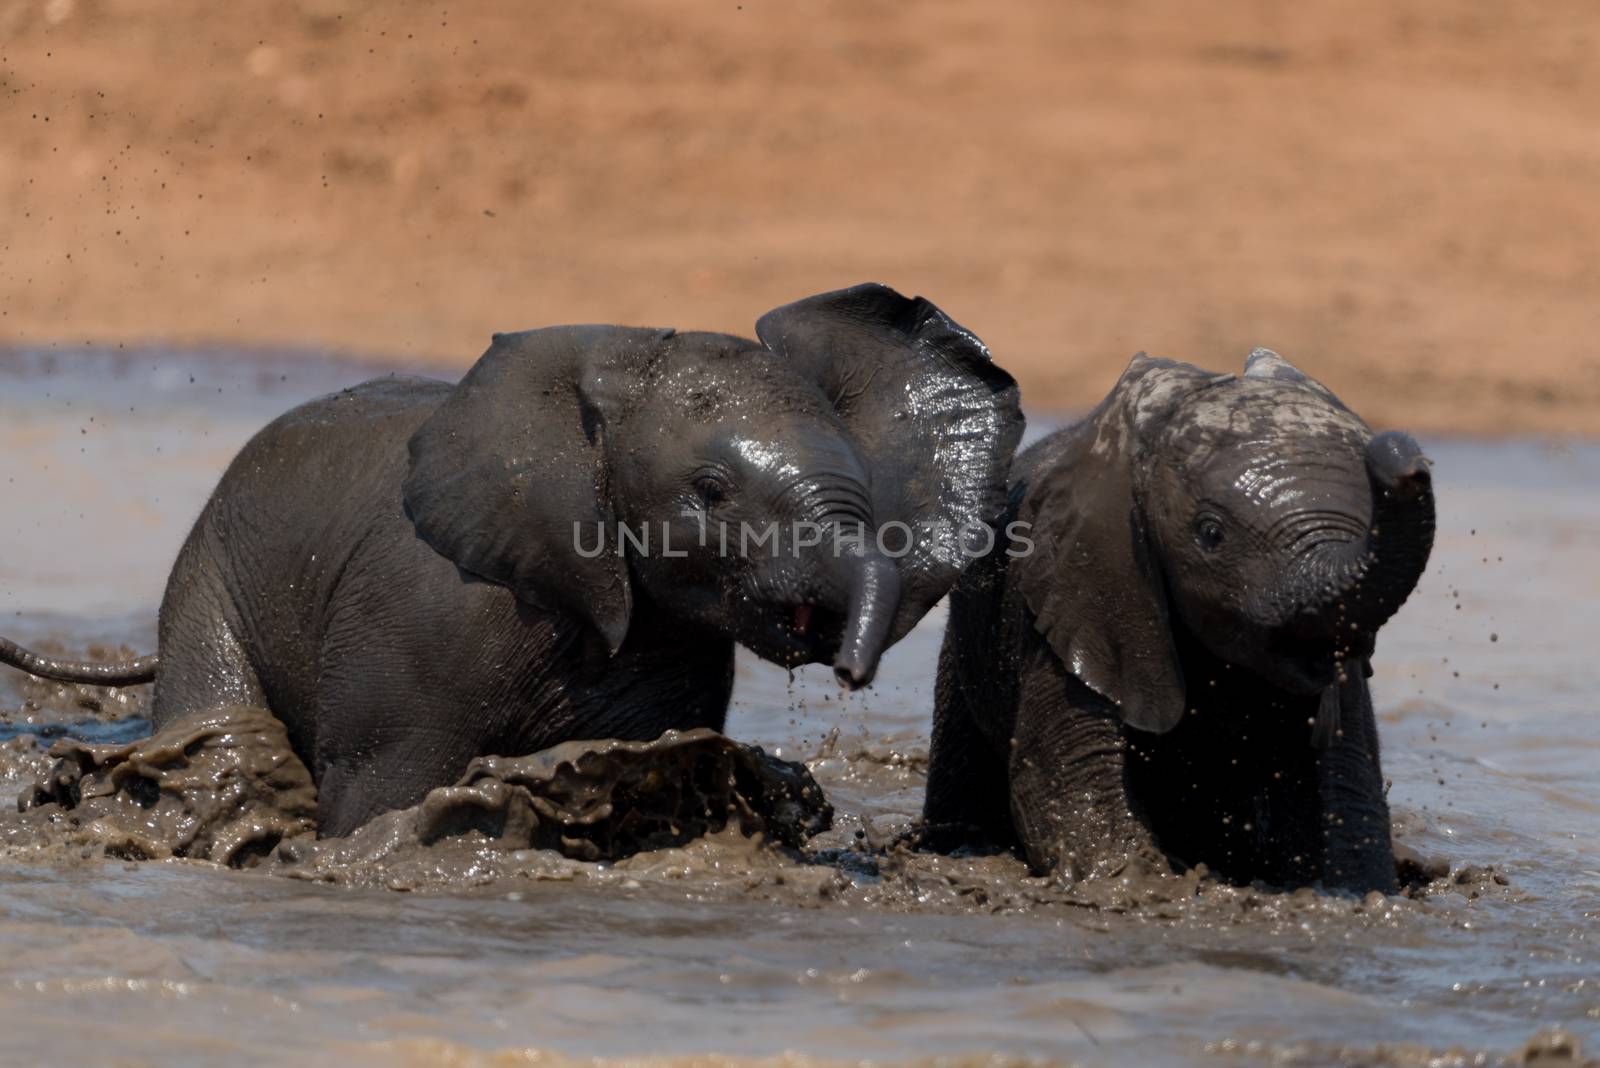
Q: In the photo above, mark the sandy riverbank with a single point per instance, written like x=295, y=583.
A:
x=1400, y=196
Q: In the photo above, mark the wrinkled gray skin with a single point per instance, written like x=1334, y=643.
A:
x=1177, y=673
x=392, y=570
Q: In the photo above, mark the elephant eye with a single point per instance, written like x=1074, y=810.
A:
x=710, y=488
x=1208, y=532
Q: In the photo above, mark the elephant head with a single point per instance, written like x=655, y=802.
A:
x=734, y=484
x=1253, y=510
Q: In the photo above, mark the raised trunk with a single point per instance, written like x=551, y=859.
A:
x=1356, y=588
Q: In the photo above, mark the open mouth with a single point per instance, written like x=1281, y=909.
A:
x=794, y=634
x=1306, y=677
x=1315, y=673
x=1309, y=663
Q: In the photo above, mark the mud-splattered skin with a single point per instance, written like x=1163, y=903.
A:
x=394, y=570
x=1177, y=672
x=388, y=665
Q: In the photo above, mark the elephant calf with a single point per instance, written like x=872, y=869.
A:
x=1176, y=673
x=411, y=574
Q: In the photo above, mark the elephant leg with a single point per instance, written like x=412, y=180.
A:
x=387, y=738
x=968, y=793
x=396, y=775
x=967, y=797
x=204, y=665
x=1069, y=794
x=1358, y=852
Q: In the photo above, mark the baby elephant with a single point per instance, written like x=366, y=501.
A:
x=1174, y=672
x=567, y=544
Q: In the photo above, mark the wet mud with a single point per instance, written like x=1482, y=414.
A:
x=587, y=801
x=1553, y=1048
x=662, y=904
x=641, y=831
x=227, y=788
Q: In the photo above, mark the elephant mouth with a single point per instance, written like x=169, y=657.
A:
x=1299, y=671
x=794, y=634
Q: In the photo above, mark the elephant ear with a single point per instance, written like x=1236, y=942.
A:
x=934, y=418
x=1093, y=583
x=507, y=474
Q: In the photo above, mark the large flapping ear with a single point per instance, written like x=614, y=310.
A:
x=934, y=418
x=1093, y=582
x=507, y=477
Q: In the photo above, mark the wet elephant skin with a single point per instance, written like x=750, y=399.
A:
x=1175, y=673
x=401, y=572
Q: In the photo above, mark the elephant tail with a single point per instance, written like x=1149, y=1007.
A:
x=93, y=672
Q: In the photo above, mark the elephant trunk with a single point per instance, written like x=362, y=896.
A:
x=1402, y=529
x=1358, y=586
x=874, y=598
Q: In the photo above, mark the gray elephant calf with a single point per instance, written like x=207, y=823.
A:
x=411, y=574
x=1177, y=672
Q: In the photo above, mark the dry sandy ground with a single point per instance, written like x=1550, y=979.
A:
x=1401, y=195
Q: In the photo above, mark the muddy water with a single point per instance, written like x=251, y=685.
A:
x=852, y=950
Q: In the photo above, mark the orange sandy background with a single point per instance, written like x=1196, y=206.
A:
x=1401, y=196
